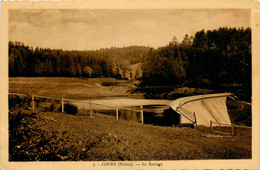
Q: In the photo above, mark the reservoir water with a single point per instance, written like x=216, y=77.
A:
x=154, y=110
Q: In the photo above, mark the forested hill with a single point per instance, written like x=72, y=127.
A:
x=109, y=62
x=132, y=54
x=214, y=59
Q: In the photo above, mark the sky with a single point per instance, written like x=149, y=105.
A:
x=91, y=29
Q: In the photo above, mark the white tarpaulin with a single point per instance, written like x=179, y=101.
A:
x=203, y=108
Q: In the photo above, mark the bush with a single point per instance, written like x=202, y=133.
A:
x=240, y=113
x=109, y=84
x=28, y=142
x=18, y=101
x=70, y=109
x=52, y=107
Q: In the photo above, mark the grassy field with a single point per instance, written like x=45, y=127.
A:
x=36, y=135
x=75, y=88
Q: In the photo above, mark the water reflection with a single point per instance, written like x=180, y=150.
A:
x=155, y=111
x=158, y=115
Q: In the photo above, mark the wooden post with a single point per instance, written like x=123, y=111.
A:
x=142, y=114
x=232, y=129
x=62, y=105
x=32, y=101
x=90, y=108
x=211, y=126
x=235, y=131
x=116, y=112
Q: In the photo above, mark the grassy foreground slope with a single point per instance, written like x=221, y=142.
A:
x=47, y=136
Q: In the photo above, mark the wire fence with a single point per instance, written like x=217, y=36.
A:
x=232, y=130
x=83, y=107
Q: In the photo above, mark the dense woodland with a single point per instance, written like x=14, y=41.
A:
x=218, y=59
x=40, y=62
x=214, y=59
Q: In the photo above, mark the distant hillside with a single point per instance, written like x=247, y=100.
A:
x=24, y=61
x=132, y=54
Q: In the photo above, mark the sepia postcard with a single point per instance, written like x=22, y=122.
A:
x=130, y=84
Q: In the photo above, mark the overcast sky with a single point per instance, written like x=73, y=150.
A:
x=94, y=29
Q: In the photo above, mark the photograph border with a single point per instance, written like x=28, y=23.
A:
x=253, y=163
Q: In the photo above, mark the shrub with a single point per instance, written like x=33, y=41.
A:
x=52, y=107
x=70, y=109
x=240, y=113
x=109, y=84
x=18, y=101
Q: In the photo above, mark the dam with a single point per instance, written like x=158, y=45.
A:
x=201, y=109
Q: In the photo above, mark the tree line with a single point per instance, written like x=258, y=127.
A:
x=28, y=62
x=216, y=59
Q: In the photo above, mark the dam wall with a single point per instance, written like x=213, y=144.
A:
x=201, y=109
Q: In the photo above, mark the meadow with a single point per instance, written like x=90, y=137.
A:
x=74, y=88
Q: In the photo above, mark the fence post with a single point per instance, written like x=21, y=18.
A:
x=62, y=105
x=32, y=101
x=211, y=126
x=90, y=108
x=232, y=129
x=116, y=112
x=142, y=114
